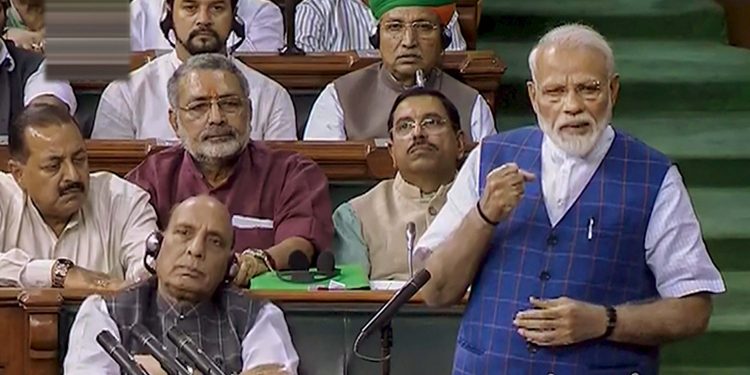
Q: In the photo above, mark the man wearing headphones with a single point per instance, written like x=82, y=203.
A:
x=264, y=26
x=411, y=36
x=137, y=108
x=193, y=265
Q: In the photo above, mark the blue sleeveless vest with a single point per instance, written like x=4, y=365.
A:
x=529, y=257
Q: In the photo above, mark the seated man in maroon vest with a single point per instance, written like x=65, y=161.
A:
x=191, y=292
x=278, y=199
x=411, y=36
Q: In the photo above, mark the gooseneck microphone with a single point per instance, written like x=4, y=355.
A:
x=386, y=313
x=184, y=344
x=411, y=237
x=119, y=354
x=168, y=362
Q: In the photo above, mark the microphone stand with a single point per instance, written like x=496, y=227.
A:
x=291, y=48
x=386, y=343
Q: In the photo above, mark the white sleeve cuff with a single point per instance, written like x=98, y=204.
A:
x=37, y=273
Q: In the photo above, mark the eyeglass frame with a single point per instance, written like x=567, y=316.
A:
x=442, y=126
x=211, y=102
x=408, y=25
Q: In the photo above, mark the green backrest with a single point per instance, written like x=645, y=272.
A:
x=324, y=333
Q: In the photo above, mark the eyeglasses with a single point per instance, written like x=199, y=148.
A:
x=591, y=90
x=398, y=29
x=430, y=126
x=227, y=106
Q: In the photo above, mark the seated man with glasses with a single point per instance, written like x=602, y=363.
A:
x=426, y=146
x=278, y=199
x=411, y=36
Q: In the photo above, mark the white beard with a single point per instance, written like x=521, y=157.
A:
x=576, y=145
x=208, y=151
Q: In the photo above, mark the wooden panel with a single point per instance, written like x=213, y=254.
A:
x=481, y=70
x=12, y=352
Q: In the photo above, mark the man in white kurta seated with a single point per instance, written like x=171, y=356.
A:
x=261, y=20
x=191, y=291
x=59, y=225
x=411, y=36
x=137, y=108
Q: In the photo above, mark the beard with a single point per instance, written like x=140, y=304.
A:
x=209, y=42
x=578, y=145
x=208, y=148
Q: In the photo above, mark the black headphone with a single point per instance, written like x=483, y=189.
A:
x=238, y=25
x=153, y=246
x=445, y=37
x=300, y=272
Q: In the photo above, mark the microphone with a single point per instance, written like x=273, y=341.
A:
x=411, y=236
x=183, y=343
x=326, y=263
x=299, y=267
x=386, y=313
x=156, y=349
x=419, y=78
x=111, y=346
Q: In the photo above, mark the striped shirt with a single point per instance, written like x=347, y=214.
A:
x=343, y=25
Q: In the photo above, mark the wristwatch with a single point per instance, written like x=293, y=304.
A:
x=60, y=271
x=611, y=321
x=263, y=256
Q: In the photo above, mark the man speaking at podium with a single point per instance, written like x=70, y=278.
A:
x=580, y=242
x=191, y=291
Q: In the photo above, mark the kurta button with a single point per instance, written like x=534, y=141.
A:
x=432, y=210
x=552, y=240
x=635, y=373
x=544, y=276
x=182, y=317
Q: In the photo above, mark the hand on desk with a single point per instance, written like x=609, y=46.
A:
x=250, y=266
x=81, y=278
x=561, y=321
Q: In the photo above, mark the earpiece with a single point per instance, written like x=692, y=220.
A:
x=302, y=274
x=166, y=24
x=153, y=246
x=445, y=37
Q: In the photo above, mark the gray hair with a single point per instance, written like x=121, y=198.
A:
x=573, y=35
x=204, y=61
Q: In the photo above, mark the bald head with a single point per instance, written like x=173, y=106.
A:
x=202, y=207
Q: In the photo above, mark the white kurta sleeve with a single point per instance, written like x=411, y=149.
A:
x=462, y=196
x=114, y=119
x=38, y=85
x=326, y=121
x=265, y=31
x=269, y=342
x=85, y=356
x=482, y=120
x=675, y=251
x=136, y=219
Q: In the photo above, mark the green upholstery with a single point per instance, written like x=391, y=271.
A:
x=324, y=333
x=341, y=191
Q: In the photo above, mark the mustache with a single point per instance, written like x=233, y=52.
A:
x=218, y=131
x=194, y=33
x=421, y=142
x=72, y=187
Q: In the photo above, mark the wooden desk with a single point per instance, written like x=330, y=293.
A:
x=323, y=325
x=481, y=70
x=341, y=161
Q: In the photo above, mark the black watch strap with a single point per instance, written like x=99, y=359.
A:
x=611, y=321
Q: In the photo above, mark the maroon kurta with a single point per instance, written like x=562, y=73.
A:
x=272, y=195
